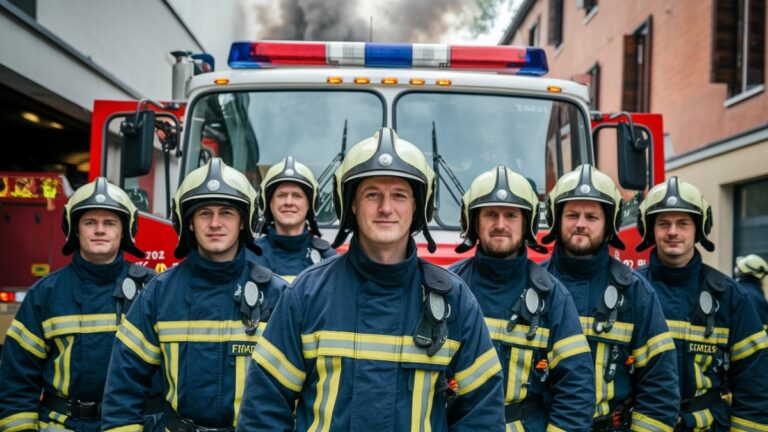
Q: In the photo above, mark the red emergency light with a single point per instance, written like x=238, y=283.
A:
x=7, y=297
x=505, y=59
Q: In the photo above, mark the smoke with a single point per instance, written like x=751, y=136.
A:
x=350, y=20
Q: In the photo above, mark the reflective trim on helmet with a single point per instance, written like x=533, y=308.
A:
x=381, y=173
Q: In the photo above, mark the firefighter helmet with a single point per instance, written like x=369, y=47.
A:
x=586, y=183
x=101, y=194
x=384, y=154
x=752, y=265
x=499, y=187
x=679, y=196
x=213, y=183
x=289, y=170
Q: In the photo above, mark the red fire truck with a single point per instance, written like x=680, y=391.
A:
x=31, y=206
x=469, y=108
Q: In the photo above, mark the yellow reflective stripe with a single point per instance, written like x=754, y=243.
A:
x=288, y=278
x=363, y=346
x=567, y=347
x=643, y=423
x=58, y=417
x=19, y=421
x=517, y=375
x=478, y=372
x=653, y=346
x=515, y=426
x=740, y=424
x=61, y=364
x=127, y=428
x=749, y=345
x=601, y=390
x=171, y=366
x=28, y=340
x=328, y=375
x=206, y=331
x=275, y=362
x=553, y=428
x=132, y=337
x=620, y=331
x=241, y=368
x=683, y=330
x=498, y=331
x=700, y=365
x=703, y=419
x=421, y=402
x=75, y=324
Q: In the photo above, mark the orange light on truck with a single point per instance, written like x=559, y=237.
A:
x=389, y=80
x=362, y=80
x=221, y=81
x=443, y=82
x=417, y=81
x=7, y=296
x=335, y=80
x=554, y=89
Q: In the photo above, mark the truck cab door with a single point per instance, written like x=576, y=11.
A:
x=629, y=147
x=150, y=189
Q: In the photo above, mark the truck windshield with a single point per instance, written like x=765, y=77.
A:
x=251, y=131
x=538, y=138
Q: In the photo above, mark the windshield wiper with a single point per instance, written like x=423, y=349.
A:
x=437, y=163
x=327, y=174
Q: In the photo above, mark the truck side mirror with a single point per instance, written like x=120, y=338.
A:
x=138, y=139
x=633, y=144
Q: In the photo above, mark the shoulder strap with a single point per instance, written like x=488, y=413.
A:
x=620, y=277
x=620, y=274
x=532, y=301
x=128, y=288
x=250, y=297
x=319, y=244
x=712, y=284
x=432, y=330
x=539, y=278
x=435, y=278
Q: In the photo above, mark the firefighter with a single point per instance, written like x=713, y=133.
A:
x=718, y=334
x=376, y=339
x=633, y=351
x=60, y=342
x=197, y=322
x=288, y=201
x=533, y=322
x=750, y=272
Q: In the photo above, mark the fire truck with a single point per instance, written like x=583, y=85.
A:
x=469, y=108
x=31, y=206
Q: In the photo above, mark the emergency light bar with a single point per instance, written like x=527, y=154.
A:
x=508, y=59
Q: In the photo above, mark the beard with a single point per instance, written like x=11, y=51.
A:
x=574, y=243
x=503, y=250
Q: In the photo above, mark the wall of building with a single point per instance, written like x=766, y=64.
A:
x=698, y=116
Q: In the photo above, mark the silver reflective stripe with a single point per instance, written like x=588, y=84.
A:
x=191, y=331
x=296, y=381
x=138, y=343
x=327, y=390
x=389, y=348
x=421, y=402
x=79, y=324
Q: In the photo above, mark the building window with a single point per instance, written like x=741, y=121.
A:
x=555, y=22
x=738, y=54
x=587, y=5
x=533, y=35
x=636, y=91
x=751, y=218
x=594, y=87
